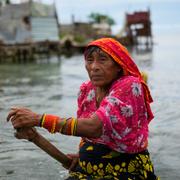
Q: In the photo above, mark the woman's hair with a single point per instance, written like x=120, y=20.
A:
x=90, y=50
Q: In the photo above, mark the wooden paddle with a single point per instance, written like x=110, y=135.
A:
x=44, y=144
x=49, y=148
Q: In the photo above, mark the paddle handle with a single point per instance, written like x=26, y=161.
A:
x=50, y=149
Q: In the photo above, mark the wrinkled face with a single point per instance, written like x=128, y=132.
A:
x=101, y=68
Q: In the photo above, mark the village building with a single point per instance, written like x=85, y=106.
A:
x=28, y=22
x=28, y=30
x=80, y=33
x=31, y=28
x=137, y=29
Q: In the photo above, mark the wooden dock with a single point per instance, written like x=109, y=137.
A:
x=29, y=52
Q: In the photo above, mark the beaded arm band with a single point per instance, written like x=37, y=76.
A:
x=55, y=124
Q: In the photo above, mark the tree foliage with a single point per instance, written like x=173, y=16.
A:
x=98, y=18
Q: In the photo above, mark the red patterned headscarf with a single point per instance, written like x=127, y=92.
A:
x=120, y=54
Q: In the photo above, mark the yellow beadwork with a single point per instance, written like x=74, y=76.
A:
x=43, y=119
x=145, y=174
x=101, y=165
x=109, y=168
x=132, y=166
x=151, y=168
x=53, y=126
x=95, y=167
x=143, y=158
x=108, y=156
x=117, y=167
x=140, y=165
x=80, y=163
x=147, y=167
x=89, y=148
x=115, y=173
x=100, y=172
x=73, y=125
x=62, y=124
x=123, y=164
x=89, y=168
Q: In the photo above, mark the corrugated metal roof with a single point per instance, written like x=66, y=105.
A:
x=44, y=28
x=42, y=10
x=43, y=23
x=15, y=11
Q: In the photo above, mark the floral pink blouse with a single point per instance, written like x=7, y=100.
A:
x=123, y=113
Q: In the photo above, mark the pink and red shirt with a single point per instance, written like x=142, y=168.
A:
x=123, y=113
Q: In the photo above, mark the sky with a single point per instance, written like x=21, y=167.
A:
x=163, y=12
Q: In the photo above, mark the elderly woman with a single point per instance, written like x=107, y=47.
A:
x=112, y=118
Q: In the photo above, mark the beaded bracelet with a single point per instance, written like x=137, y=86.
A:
x=50, y=122
x=54, y=126
x=42, y=120
x=66, y=126
x=62, y=125
x=71, y=126
x=74, y=126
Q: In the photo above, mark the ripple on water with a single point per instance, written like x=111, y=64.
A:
x=39, y=86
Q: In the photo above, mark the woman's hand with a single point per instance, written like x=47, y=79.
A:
x=26, y=133
x=74, y=158
x=23, y=117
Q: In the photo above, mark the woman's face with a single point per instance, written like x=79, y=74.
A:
x=101, y=68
